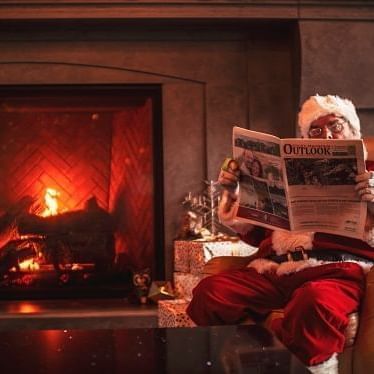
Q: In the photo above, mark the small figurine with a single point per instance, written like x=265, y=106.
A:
x=142, y=281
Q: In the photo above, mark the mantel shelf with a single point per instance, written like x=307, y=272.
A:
x=177, y=9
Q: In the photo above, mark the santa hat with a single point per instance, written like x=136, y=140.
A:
x=318, y=106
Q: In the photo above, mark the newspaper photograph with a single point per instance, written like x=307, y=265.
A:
x=300, y=184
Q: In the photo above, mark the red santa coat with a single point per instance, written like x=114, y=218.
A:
x=316, y=299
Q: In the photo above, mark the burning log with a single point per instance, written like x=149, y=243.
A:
x=13, y=254
x=8, y=219
x=92, y=219
x=85, y=235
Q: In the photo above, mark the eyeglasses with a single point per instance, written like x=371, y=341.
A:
x=335, y=127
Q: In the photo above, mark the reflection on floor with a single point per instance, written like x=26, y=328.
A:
x=76, y=314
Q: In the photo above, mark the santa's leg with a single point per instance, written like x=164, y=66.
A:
x=317, y=314
x=231, y=297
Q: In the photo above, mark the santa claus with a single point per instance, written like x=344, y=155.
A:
x=318, y=279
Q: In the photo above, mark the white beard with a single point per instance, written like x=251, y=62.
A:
x=285, y=241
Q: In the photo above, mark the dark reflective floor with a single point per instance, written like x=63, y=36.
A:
x=226, y=349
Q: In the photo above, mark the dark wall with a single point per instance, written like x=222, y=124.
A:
x=338, y=58
x=273, y=73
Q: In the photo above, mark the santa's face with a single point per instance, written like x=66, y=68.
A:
x=330, y=126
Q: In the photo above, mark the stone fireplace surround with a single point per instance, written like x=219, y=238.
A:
x=218, y=63
x=201, y=83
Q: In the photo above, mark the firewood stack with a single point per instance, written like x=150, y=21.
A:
x=81, y=236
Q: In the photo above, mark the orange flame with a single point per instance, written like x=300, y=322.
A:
x=51, y=202
x=29, y=265
x=51, y=209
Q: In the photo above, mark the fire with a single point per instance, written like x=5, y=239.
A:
x=29, y=265
x=51, y=202
x=51, y=209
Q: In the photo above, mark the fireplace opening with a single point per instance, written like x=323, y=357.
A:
x=81, y=191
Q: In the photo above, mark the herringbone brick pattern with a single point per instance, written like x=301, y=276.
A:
x=67, y=152
x=131, y=188
x=107, y=154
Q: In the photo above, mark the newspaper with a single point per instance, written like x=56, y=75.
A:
x=300, y=184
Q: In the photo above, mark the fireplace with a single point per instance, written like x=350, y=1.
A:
x=80, y=169
x=205, y=75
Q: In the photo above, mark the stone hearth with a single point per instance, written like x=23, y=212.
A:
x=76, y=314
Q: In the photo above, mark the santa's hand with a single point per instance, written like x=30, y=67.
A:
x=229, y=174
x=228, y=205
x=365, y=186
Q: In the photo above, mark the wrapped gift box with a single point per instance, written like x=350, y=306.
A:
x=182, y=250
x=191, y=256
x=172, y=313
x=184, y=283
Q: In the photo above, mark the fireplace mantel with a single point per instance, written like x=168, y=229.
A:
x=181, y=9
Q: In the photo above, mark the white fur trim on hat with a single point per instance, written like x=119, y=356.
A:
x=318, y=106
x=285, y=241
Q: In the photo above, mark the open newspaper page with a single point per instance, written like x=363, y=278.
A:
x=320, y=175
x=262, y=197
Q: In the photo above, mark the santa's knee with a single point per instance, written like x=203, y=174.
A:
x=204, y=303
x=307, y=301
x=206, y=289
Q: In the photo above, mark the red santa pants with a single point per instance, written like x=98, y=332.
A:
x=316, y=303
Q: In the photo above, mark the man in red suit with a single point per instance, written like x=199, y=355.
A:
x=325, y=280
